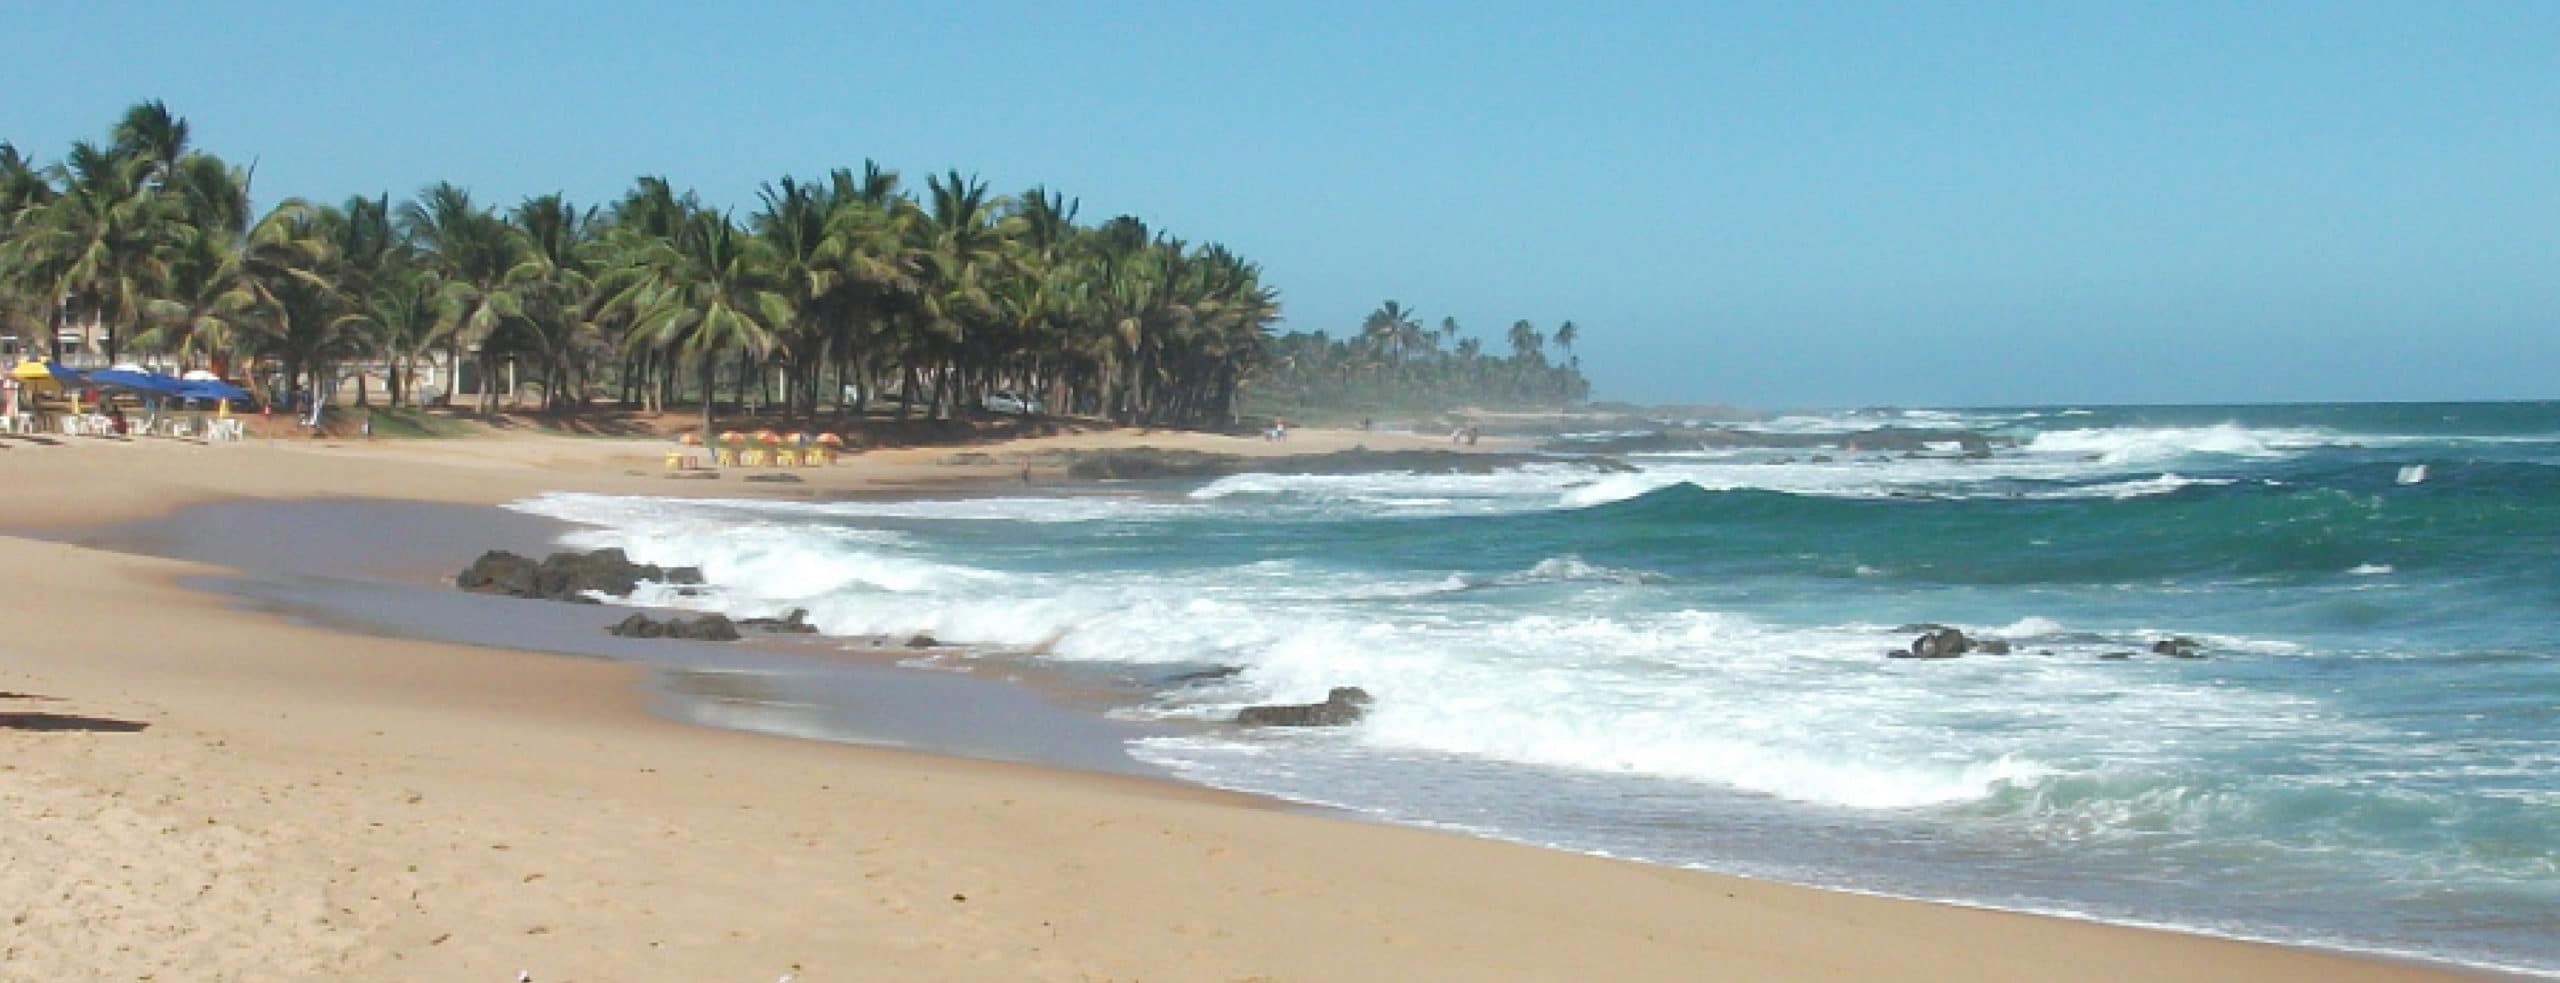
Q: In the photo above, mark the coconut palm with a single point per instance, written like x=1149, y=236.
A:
x=551, y=284
x=100, y=244
x=706, y=293
x=470, y=251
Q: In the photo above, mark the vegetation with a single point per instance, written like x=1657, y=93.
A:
x=833, y=293
x=1396, y=365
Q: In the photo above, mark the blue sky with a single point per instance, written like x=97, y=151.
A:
x=1774, y=205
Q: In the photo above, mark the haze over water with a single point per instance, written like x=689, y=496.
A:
x=1684, y=664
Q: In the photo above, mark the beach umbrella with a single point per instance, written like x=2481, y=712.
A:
x=729, y=436
x=830, y=439
x=689, y=439
x=142, y=382
x=53, y=372
x=210, y=389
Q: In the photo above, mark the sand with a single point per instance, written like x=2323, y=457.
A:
x=193, y=791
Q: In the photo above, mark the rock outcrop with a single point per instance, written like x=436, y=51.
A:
x=707, y=628
x=566, y=576
x=795, y=623
x=1936, y=643
x=1345, y=704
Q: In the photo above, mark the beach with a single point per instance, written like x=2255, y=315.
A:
x=198, y=789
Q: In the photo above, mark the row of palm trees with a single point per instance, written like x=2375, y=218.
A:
x=1395, y=363
x=850, y=284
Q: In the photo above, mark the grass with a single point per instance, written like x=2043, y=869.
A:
x=410, y=422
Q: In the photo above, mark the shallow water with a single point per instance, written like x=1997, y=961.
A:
x=1684, y=664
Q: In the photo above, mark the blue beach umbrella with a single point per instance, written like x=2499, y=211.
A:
x=210, y=389
x=142, y=382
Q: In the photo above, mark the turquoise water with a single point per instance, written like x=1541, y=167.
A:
x=1685, y=664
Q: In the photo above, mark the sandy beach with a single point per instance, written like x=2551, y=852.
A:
x=197, y=791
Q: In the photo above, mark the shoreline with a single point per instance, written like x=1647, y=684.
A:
x=1777, y=950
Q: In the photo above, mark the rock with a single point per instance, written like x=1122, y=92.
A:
x=707, y=628
x=1196, y=676
x=566, y=576
x=1992, y=646
x=639, y=626
x=499, y=572
x=2180, y=647
x=1944, y=643
x=1343, y=705
x=795, y=623
x=570, y=576
x=920, y=640
x=2115, y=656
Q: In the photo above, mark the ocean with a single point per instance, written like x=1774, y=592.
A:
x=1684, y=664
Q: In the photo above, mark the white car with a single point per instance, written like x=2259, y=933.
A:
x=1008, y=401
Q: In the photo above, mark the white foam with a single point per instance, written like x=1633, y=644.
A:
x=2143, y=445
x=2411, y=474
x=1681, y=695
x=2369, y=570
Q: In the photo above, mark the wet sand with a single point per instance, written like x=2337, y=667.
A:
x=203, y=790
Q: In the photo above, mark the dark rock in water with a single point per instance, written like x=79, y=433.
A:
x=499, y=572
x=795, y=623
x=1209, y=675
x=776, y=477
x=639, y=626
x=1150, y=462
x=1944, y=643
x=1992, y=646
x=921, y=640
x=1343, y=705
x=2116, y=656
x=707, y=628
x=569, y=576
x=2180, y=647
x=566, y=576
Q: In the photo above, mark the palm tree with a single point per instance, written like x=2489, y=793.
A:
x=100, y=245
x=961, y=238
x=708, y=292
x=470, y=250
x=551, y=284
x=1566, y=335
x=290, y=304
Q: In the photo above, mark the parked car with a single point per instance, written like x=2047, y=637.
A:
x=1008, y=401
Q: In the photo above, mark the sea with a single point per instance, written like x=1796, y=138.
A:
x=1687, y=664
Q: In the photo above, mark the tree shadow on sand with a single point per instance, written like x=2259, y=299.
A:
x=68, y=721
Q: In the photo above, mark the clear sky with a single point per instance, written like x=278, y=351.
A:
x=1768, y=204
